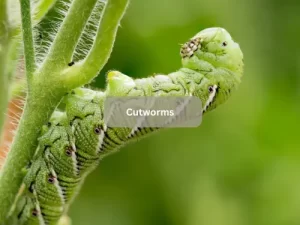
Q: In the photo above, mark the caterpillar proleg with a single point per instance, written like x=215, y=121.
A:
x=75, y=140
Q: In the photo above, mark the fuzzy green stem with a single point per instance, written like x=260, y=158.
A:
x=27, y=39
x=4, y=46
x=17, y=88
x=86, y=71
x=13, y=56
x=68, y=35
x=39, y=12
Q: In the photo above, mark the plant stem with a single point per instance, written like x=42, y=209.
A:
x=27, y=39
x=42, y=9
x=85, y=71
x=17, y=88
x=14, y=51
x=4, y=45
x=68, y=35
x=39, y=12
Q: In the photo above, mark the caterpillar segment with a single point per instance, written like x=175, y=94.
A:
x=74, y=141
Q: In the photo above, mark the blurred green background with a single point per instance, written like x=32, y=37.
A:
x=242, y=165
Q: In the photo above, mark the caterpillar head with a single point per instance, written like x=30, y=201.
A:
x=216, y=47
x=213, y=53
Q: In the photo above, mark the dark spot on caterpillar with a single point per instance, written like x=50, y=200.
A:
x=20, y=214
x=69, y=151
x=35, y=212
x=51, y=179
x=224, y=44
x=71, y=63
x=49, y=124
x=210, y=89
x=30, y=189
x=97, y=130
x=29, y=165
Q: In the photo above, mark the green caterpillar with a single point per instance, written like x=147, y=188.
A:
x=75, y=140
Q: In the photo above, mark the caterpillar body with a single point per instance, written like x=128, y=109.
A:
x=74, y=141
